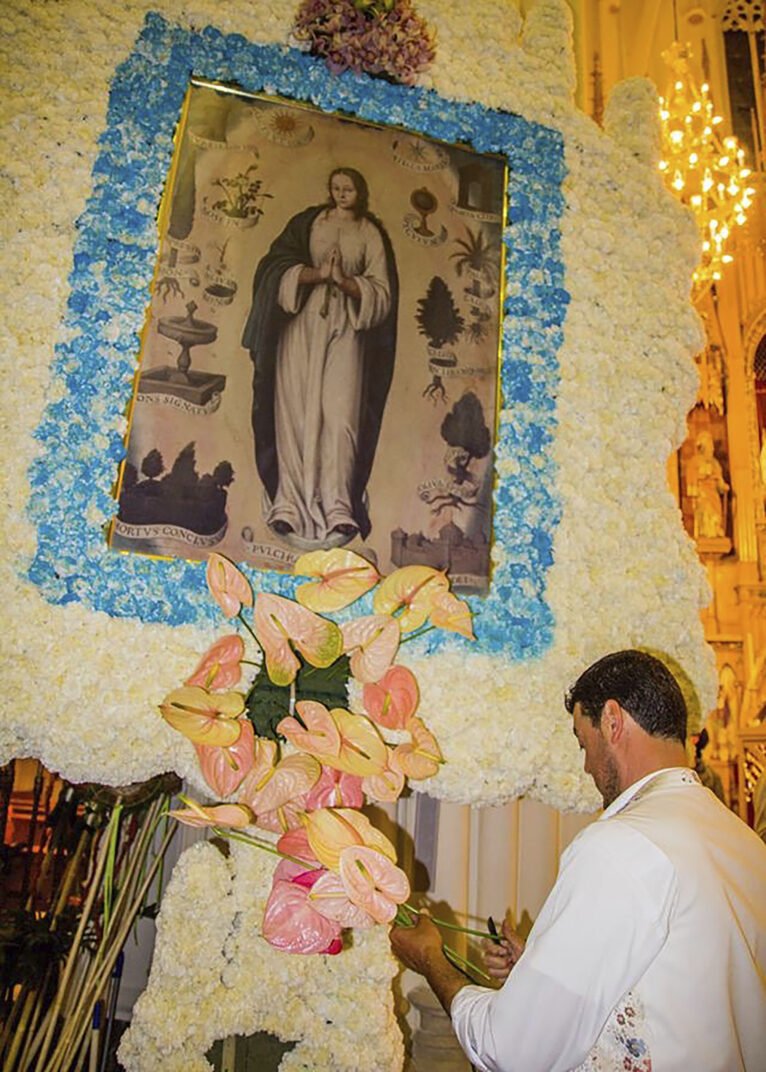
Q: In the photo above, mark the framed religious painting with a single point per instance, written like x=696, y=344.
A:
x=319, y=365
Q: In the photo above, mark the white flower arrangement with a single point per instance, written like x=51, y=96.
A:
x=85, y=684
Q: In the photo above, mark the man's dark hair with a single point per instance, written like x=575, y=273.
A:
x=641, y=684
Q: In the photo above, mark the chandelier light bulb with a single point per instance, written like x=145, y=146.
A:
x=705, y=169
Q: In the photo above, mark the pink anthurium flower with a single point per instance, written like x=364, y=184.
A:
x=371, y=642
x=270, y=785
x=219, y=667
x=385, y=787
x=281, y=624
x=296, y=843
x=420, y=758
x=292, y=924
x=319, y=733
x=204, y=717
x=330, y=830
x=393, y=700
x=328, y=895
x=224, y=768
x=410, y=592
x=449, y=612
x=228, y=586
x=335, y=789
x=373, y=882
x=235, y=816
x=342, y=577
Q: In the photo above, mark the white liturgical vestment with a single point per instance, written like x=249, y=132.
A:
x=649, y=955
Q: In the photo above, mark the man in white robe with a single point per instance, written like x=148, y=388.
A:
x=649, y=955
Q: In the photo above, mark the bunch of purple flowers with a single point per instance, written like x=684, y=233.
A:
x=378, y=37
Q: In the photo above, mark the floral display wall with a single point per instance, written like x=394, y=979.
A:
x=589, y=553
x=592, y=398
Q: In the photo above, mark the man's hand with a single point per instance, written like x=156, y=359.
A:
x=420, y=948
x=500, y=957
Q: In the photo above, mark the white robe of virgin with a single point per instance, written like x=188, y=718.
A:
x=319, y=377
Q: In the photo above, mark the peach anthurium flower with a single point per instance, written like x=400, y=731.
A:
x=410, y=590
x=292, y=924
x=372, y=643
x=335, y=789
x=385, y=787
x=420, y=758
x=235, y=816
x=393, y=700
x=271, y=784
x=343, y=577
x=330, y=830
x=219, y=667
x=328, y=895
x=224, y=768
x=280, y=623
x=449, y=612
x=355, y=747
x=362, y=750
x=283, y=819
x=373, y=882
x=204, y=717
x=228, y=586
x=319, y=733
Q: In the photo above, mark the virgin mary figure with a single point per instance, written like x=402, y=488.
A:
x=322, y=337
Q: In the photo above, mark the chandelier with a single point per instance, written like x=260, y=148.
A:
x=705, y=170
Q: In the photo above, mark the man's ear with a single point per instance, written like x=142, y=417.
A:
x=612, y=721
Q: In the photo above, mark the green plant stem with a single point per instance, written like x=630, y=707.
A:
x=417, y=634
x=451, y=926
x=247, y=839
x=249, y=628
x=464, y=965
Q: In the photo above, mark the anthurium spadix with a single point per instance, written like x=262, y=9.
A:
x=409, y=593
x=331, y=830
x=341, y=578
x=228, y=585
x=204, y=717
x=371, y=642
x=281, y=625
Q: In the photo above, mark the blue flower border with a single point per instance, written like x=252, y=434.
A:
x=113, y=263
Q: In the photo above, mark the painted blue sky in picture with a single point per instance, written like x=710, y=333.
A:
x=114, y=259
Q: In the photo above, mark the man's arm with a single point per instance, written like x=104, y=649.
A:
x=420, y=948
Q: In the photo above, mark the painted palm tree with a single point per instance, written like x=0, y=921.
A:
x=477, y=258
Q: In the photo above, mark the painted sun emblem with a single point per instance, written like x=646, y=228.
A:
x=287, y=127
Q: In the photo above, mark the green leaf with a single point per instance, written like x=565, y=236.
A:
x=325, y=684
x=267, y=704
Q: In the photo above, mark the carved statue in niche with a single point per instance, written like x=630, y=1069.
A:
x=706, y=487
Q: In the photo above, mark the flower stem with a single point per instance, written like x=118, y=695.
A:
x=451, y=926
x=247, y=839
x=417, y=634
x=464, y=965
x=249, y=628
